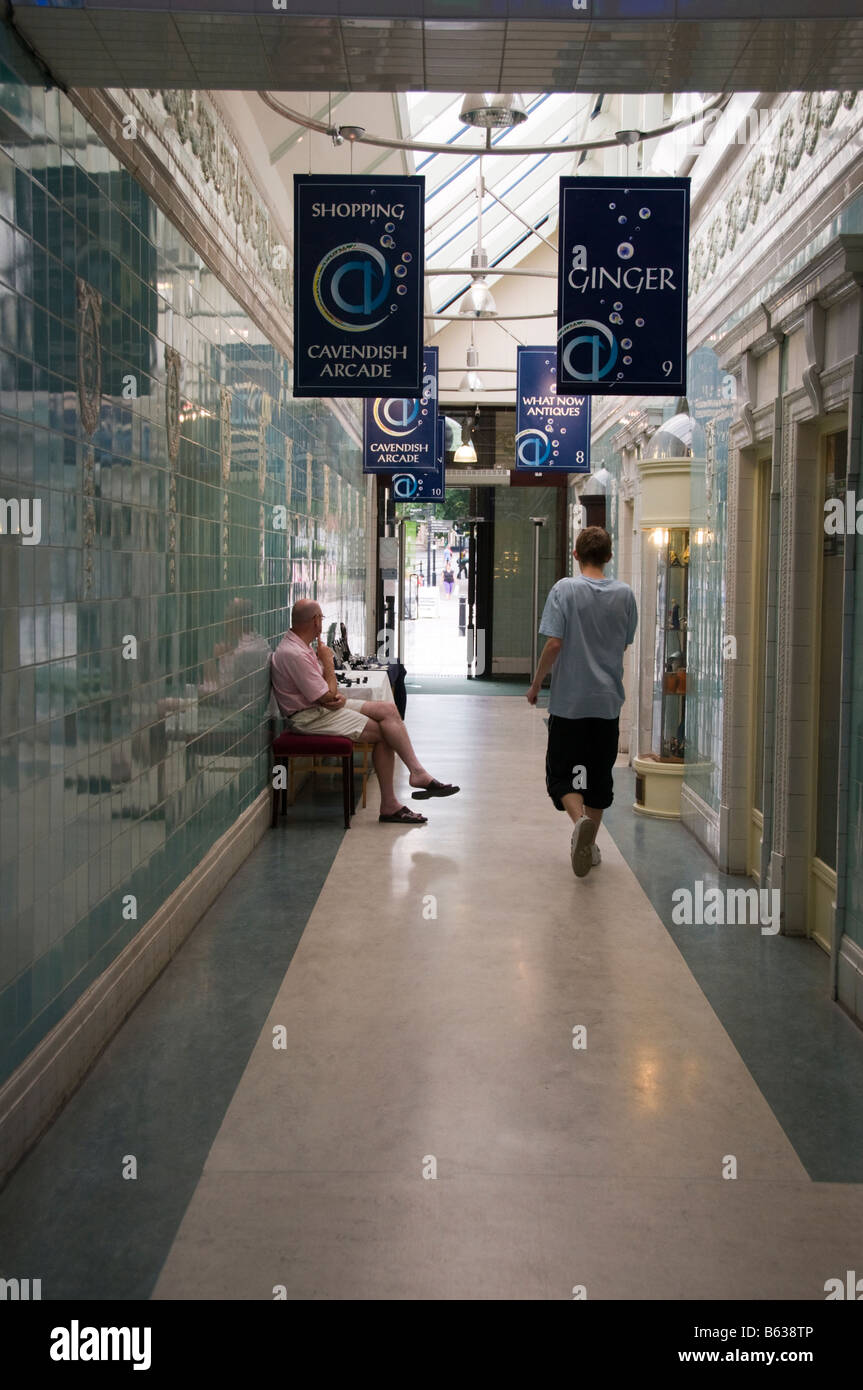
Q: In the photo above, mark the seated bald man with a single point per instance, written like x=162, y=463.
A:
x=307, y=693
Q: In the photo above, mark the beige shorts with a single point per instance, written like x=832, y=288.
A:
x=347, y=721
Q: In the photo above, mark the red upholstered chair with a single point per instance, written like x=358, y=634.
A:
x=288, y=746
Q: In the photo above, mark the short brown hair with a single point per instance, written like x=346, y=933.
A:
x=593, y=546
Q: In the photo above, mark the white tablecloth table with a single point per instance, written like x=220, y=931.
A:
x=378, y=687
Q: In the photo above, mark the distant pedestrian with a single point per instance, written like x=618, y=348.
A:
x=448, y=580
x=462, y=565
x=589, y=622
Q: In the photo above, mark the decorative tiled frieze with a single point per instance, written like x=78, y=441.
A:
x=762, y=180
x=225, y=432
x=226, y=534
x=266, y=415
x=198, y=130
x=172, y=401
x=88, y=487
x=89, y=355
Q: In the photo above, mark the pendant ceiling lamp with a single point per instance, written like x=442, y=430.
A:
x=466, y=452
x=492, y=110
x=477, y=302
x=472, y=381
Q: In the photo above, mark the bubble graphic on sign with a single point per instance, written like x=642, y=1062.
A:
x=400, y=271
x=626, y=250
x=401, y=289
x=407, y=256
x=644, y=213
x=612, y=206
x=563, y=429
x=387, y=243
x=615, y=318
x=620, y=376
x=621, y=219
x=555, y=443
x=390, y=227
x=626, y=344
x=617, y=306
x=639, y=323
x=626, y=361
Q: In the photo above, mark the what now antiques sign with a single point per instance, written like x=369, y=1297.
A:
x=358, y=285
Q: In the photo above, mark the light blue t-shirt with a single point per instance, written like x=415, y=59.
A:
x=596, y=620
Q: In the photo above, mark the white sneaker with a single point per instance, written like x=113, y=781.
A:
x=581, y=845
x=595, y=856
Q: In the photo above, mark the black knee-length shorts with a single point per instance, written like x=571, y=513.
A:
x=581, y=755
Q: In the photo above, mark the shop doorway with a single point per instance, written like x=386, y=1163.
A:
x=827, y=686
x=760, y=553
x=440, y=545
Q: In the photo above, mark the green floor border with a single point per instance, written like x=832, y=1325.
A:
x=161, y=1088
x=460, y=685
x=770, y=993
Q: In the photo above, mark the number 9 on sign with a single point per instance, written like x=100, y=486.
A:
x=668, y=367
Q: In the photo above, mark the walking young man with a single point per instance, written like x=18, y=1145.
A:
x=589, y=622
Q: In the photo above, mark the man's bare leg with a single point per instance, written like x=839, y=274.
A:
x=573, y=804
x=384, y=760
x=386, y=719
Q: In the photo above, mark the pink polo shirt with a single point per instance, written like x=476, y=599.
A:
x=296, y=675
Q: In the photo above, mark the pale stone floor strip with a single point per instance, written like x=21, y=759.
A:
x=413, y=1039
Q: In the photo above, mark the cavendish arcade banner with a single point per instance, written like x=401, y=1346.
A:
x=358, y=285
x=430, y=484
x=400, y=433
x=622, y=286
x=552, y=432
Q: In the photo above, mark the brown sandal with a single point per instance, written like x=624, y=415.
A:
x=434, y=788
x=405, y=817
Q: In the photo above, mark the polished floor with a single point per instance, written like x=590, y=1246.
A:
x=426, y=1128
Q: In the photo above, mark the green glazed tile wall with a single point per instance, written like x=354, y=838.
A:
x=110, y=787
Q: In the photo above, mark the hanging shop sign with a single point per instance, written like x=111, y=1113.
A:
x=428, y=485
x=400, y=432
x=358, y=285
x=622, y=286
x=552, y=432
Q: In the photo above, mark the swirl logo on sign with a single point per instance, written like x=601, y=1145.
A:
x=397, y=416
x=350, y=285
x=404, y=486
x=533, y=448
x=599, y=349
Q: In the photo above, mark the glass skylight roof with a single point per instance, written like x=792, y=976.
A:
x=528, y=183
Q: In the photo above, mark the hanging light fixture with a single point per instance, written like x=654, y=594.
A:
x=477, y=302
x=466, y=453
x=492, y=110
x=472, y=381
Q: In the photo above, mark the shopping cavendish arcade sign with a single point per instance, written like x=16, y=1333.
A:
x=358, y=285
x=400, y=433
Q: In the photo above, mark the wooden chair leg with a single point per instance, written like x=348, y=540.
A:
x=353, y=787
x=347, y=788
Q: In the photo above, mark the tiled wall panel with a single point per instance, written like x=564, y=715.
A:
x=118, y=772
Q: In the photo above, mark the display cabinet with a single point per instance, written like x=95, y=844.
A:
x=669, y=686
x=659, y=766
